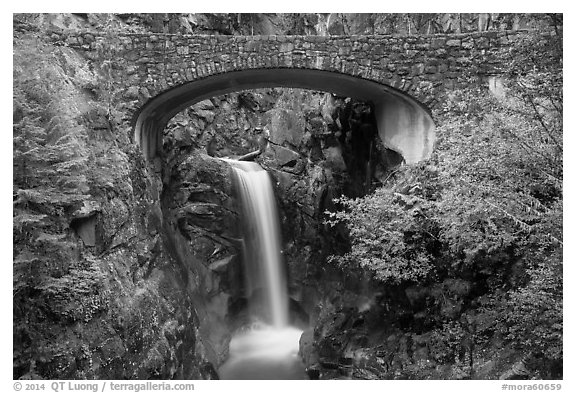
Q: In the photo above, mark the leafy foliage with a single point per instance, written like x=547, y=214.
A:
x=534, y=313
x=487, y=207
x=386, y=236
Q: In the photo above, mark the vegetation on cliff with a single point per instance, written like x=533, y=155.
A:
x=486, y=211
x=93, y=288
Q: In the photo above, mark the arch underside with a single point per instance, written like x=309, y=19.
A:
x=404, y=125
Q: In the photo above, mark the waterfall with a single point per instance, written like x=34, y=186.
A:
x=266, y=351
x=262, y=239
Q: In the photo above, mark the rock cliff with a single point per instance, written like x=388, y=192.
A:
x=124, y=269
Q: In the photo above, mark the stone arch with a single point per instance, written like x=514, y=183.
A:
x=404, y=124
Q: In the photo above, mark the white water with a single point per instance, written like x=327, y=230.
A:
x=264, y=353
x=268, y=351
x=260, y=213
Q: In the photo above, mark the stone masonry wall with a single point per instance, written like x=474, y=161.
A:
x=144, y=65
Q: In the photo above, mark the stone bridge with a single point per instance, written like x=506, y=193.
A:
x=404, y=77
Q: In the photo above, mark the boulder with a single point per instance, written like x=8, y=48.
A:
x=286, y=126
x=284, y=156
x=333, y=158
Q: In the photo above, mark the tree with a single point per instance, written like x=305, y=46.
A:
x=487, y=205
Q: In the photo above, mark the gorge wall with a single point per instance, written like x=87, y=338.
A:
x=97, y=294
x=122, y=272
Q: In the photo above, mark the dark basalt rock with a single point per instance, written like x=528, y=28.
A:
x=140, y=276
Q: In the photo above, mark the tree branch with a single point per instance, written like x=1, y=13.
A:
x=250, y=156
x=521, y=223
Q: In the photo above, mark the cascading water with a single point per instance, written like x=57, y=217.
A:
x=267, y=351
x=263, y=244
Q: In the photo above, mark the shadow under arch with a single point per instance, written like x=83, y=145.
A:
x=404, y=124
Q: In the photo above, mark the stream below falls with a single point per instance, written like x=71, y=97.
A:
x=265, y=352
